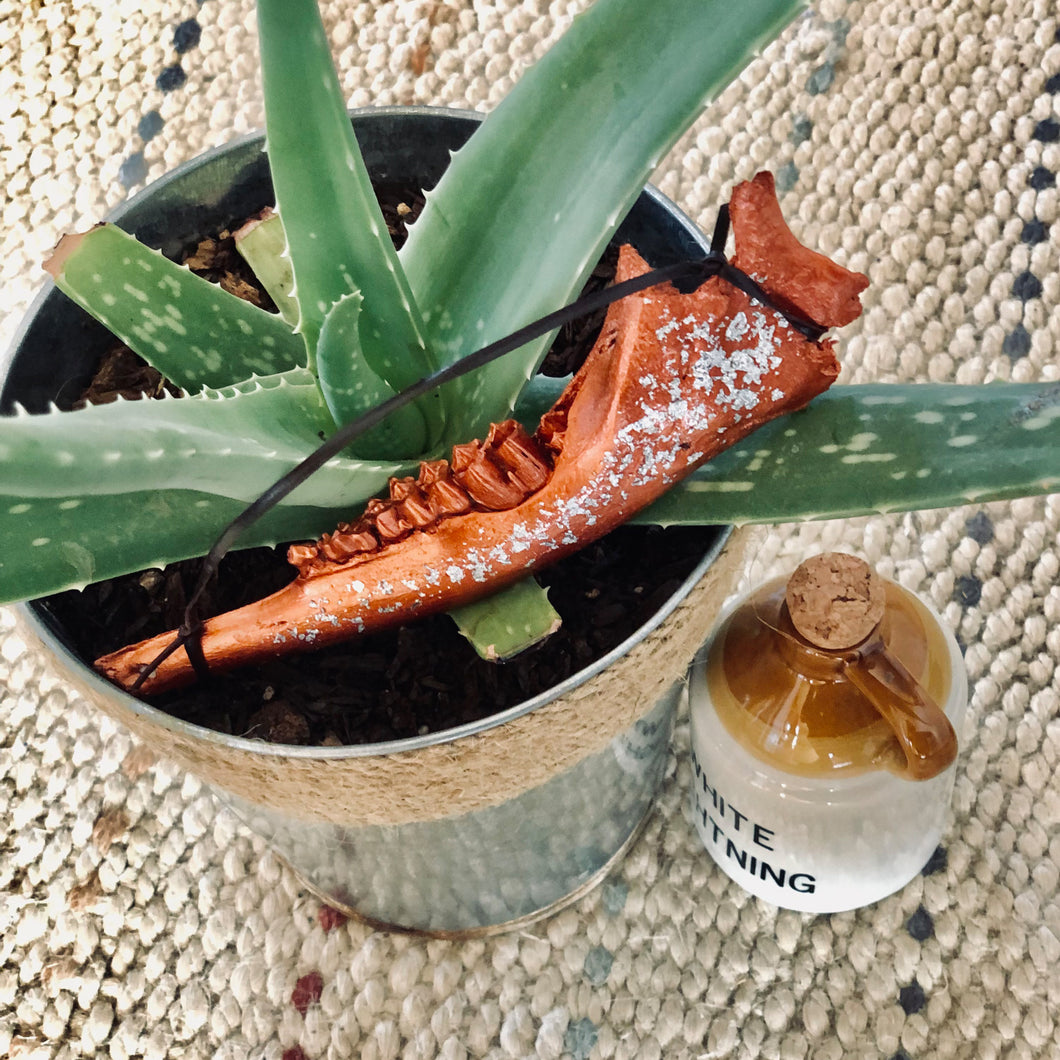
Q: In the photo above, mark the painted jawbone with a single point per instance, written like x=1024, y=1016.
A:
x=672, y=380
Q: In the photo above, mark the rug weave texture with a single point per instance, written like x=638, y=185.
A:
x=917, y=142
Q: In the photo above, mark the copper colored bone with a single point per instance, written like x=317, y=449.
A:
x=673, y=380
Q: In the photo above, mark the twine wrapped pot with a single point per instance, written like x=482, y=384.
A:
x=416, y=780
x=543, y=797
x=475, y=831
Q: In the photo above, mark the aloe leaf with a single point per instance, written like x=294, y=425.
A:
x=579, y=134
x=234, y=443
x=196, y=334
x=51, y=544
x=337, y=238
x=860, y=450
x=351, y=388
x=537, y=397
x=509, y=621
x=262, y=243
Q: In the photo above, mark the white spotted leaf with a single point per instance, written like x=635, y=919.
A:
x=194, y=332
x=880, y=447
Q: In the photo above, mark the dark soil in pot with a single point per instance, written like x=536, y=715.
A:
x=422, y=678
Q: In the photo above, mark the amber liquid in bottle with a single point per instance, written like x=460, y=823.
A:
x=805, y=710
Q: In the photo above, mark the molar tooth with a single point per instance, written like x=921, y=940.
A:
x=302, y=556
x=432, y=471
x=463, y=456
x=358, y=540
x=364, y=541
x=374, y=508
x=445, y=497
x=391, y=525
x=522, y=458
x=401, y=488
x=341, y=545
x=489, y=486
x=417, y=512
x=331, y=548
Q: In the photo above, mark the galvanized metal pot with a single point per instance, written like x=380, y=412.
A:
x=470, y=830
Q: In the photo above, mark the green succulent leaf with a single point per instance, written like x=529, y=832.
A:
x=234, y=443
x=866, y=449
x=52, y=543
x=580, y=133
x=508, y=621
x=262, y=243
x=196, y=334
x=351, y=388
x=337, y=238
x=537, y=397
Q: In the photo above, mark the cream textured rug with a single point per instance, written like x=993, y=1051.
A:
x=919, y=142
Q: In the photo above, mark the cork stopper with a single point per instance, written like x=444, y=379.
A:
x=835, y=600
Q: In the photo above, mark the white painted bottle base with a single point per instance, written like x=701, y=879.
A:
x=809, y=847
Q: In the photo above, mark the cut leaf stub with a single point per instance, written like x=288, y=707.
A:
x=194, y=332
x=673, y=379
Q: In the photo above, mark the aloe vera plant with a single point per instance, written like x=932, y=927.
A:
x=98, y=492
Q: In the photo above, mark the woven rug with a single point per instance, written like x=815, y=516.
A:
x=919, y=143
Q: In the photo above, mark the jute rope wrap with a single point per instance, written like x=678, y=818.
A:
x=917, y=142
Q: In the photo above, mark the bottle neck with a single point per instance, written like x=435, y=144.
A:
x=802, y=657
x=924, y=734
